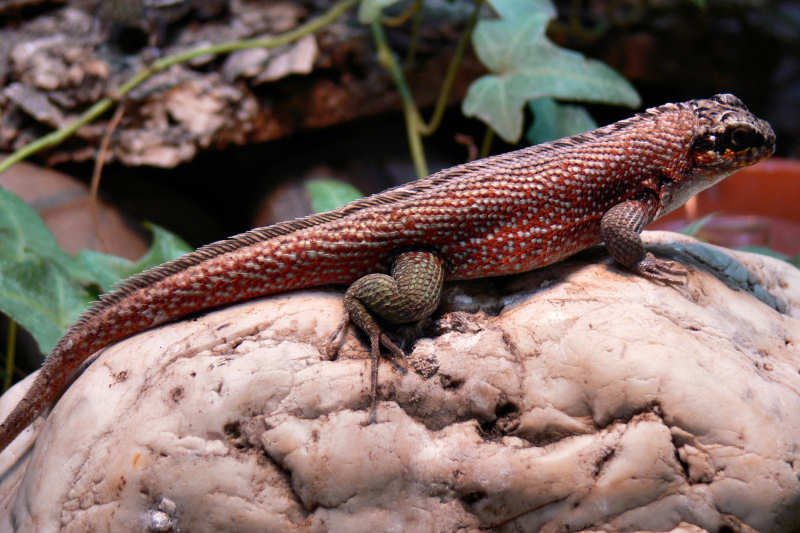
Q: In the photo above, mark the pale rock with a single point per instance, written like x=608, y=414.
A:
x=595, y=400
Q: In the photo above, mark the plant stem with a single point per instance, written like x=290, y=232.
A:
x=416, y=23
x=415, y=126
x=11, y=349
x=415, y=141
x=486, y=145
x=452, y=71
x=401, y=19
x=57, y=137
x=389, y=62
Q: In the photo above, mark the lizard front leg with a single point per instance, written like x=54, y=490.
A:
x=409, y=294
x=620, y=228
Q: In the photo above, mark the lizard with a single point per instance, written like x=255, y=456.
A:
x=505, y=214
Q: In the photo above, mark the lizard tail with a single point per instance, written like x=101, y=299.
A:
x=37, y=400
x=208, y=278
x=262, y=261
x=26, y=411
x=58, y=371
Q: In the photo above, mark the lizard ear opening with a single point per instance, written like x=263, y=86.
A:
x=705, y=143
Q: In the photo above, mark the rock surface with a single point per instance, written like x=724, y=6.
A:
x=578, y=397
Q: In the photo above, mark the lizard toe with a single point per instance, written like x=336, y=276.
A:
x=662, y=271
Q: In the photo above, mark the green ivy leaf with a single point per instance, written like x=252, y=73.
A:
x=166, y=246
x=552, y=120
x=106, y=270
x=693, y=228
x=369, y=10
x=509, y=9
x=763, y=250
x=43, y=288
x=41, y=297
x=793, y=260
x=526, y=66
x=38, y=285
x=328, y=194
x=102, y=270
x=24, y=236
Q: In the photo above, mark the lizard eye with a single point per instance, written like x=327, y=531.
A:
x=742, y=137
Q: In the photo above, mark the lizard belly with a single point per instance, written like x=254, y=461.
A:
x=508, y=251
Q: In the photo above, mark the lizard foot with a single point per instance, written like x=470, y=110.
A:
x=336, y=340
x=669, y=273
x=376, y=339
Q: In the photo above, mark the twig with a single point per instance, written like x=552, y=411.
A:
x=57, y=137
x=469, y=144
x=11, y=349
x=98, y=170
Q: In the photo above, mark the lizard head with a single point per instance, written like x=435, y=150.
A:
x=729, y=136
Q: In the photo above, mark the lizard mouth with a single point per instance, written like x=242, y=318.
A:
x=751, y=155
x=731, y=160
x=762, y=148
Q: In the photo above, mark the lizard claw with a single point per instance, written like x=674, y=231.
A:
x=397, y=356
x=335, y=341
x=376, y=339
x=669, y=273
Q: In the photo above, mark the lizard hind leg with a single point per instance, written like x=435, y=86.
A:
x=410, y=294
